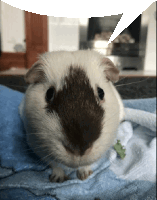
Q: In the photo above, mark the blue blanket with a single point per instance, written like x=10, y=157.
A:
x=24, y=177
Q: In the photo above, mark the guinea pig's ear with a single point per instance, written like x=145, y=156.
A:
x=35, y=74
x=111, y=72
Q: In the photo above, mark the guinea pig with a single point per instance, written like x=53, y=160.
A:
x=71, y=109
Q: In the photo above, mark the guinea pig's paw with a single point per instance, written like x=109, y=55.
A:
x=58, y=175
x=84, y=172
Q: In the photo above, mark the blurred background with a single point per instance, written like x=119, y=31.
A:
x=24, y=35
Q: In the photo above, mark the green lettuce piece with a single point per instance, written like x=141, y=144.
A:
x=119, y=149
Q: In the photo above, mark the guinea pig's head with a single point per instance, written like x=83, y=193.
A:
x=71, y=108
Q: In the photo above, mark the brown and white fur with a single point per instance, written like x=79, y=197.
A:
x=77, y=127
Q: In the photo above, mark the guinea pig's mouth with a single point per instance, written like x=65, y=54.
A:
x=69, y=164
x=78, y=162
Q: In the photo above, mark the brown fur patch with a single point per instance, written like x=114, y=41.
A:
x=80, y=115
x=35, y=74
x=112, y=73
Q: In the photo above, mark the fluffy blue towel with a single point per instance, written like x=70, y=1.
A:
x=24, y=177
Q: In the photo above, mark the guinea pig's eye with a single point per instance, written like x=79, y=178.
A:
x=100, y=93
x=50, y=94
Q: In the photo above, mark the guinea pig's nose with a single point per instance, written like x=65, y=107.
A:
x=85, y=151
x=88, y=151
x=78, y=152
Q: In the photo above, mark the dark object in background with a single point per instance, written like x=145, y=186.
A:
x=130, y=68
x=14, y=82
x=128, y=48
x=137, y=88
x=144, y=89
x=125, y=44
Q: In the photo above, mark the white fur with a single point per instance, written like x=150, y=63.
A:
x=56, y=66
x=84, y=172
x=121, y=110
x=58, y=173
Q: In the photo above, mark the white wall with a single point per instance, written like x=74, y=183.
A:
x=63, y=33
x=12, y=28
x=150, y=58
x=0, y=16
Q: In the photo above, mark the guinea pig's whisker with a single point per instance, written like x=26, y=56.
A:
x=48, y=159
x=37, y=147
x=105, y=125
x=44, y=159
x=46, y=165
x=132, y=82
x=40, y=161
x=113, y=115
x=49, y=155
x=123, y=78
